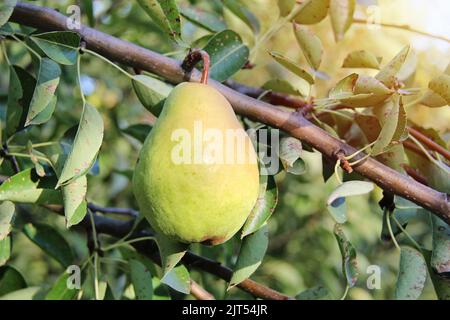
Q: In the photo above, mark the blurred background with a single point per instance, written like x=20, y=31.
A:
x=303, y=251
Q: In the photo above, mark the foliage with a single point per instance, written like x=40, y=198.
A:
x=74, y=125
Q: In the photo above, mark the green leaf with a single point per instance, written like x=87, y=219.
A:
x=49, y=240
x=310, y=44
x=292, y=66
x=10, y=280
x=441, y=86
x=75, y=205
x=264, y=207
x=21, y=88
x=202, y=41
x=5, y=250
x=204, y=19
x=178, y=279
x=360, y=91
x=129, y=253
x=251, y=254
x=394, y=157
x=88, y=9
x=281, y=86
x=336, y=201
x=341, y=14
x=227, y=53
x=345, y=87
x=7, y=209
x=394, y=128
x=47, y=113
x=6, y=10
x=350, y=188
x=403, y=213
x=170, y=251
x=290, y=151
x=6, y=29
x=338, y=210
x=85, y=146
x=238, y=8
x=22, y=294
x=47, y=82
x=151, y=92
x=312, y=11
x=441, y=282
x=141, y=278
x=412, y=274
x=388, y=75
x=27, y=187
x=314, y=293
x=440, y=258
x=60, y=289
x=60, y=46
x=138, y=131
x=348, y=253
x=165, y=14
x=361, y=59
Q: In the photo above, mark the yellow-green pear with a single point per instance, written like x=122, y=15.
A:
x=197, y=176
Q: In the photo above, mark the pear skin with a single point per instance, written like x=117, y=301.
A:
x=197, y=176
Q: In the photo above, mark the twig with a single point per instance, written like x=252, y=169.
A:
x=272, y=97
x=199, y=292
x=195, y=56
x=4, y=153
x=404, y=27
x=340, y=155
x=296, y=103
x=121, y=228
x=414, y=148
x=413, y=173
x=299, y=127
x=123, y=211
x=430, y=144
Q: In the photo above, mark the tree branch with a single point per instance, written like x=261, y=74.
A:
x=113, y=210
x=296, y=103
x=429, y=143
x=122, y=228
x=292, y=123
x=199, y=292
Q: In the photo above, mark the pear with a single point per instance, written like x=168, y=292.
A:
x=197, y=176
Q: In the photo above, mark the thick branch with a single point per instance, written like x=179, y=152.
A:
x=292, y=123
x=298, y=103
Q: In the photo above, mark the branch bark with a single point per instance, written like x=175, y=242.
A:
x=199, y=292
x=298, y=103
x=137, y=57
x=293, y=123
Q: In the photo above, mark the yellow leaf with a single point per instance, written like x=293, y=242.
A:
x=341, y=14
x=361, y=59
x=310, y=45
x=312, y=11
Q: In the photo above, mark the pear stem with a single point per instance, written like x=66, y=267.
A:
x=194, y=56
